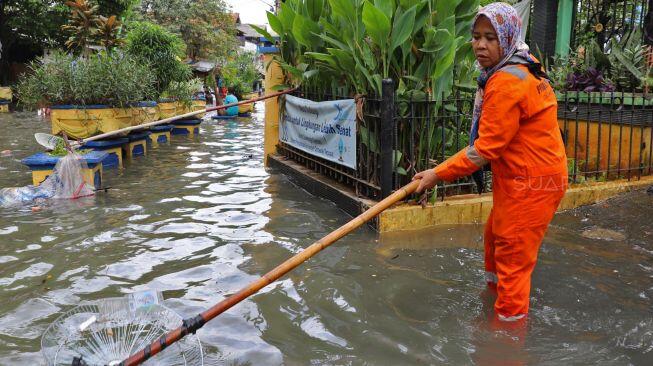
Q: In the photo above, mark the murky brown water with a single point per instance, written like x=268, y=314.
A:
x=200, y=218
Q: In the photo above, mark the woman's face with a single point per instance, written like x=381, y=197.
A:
x=486, y=43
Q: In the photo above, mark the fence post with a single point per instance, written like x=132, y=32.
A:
x=543, y=27
x=385, y=137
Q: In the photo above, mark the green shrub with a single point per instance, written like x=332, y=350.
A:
x=110, y=79
x=160, y=49
x=183, y=91
x=355, y=44
x=240, y=73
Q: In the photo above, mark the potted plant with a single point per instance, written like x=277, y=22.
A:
x=86, y=95
x=187, y=97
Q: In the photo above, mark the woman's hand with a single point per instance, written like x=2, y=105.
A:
x=428, y=180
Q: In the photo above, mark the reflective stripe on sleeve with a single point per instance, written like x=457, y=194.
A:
x=475, y=157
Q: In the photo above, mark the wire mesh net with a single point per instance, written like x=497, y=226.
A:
x=107, y=331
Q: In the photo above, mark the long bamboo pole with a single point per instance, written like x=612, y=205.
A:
x=175, y=118
x=285, y=267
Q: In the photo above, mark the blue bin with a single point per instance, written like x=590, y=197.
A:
x=186, y=127
x=113, y=147
x=160, y=134
x=43, y=164
x=137, y=145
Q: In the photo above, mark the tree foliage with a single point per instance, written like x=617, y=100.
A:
x=205, y=26
x=28, y=27
x=240, y=73
x=119, y=8
x=161, y=50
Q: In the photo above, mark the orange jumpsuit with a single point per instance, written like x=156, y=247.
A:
x=520, y=137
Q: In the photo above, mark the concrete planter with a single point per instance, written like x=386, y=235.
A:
x=85, y=121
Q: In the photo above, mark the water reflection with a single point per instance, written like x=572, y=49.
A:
x=201, y=218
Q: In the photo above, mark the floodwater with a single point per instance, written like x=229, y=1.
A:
x=201, y=218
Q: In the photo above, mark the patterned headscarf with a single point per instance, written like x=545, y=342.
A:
x=508, y=26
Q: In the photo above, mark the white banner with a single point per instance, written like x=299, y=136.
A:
x=324, y=129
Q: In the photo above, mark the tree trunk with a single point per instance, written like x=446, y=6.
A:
x=4, y=66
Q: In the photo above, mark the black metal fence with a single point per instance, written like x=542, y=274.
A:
x=604, y=20
x=396, y=137
x=366, y=179
x=607, y=136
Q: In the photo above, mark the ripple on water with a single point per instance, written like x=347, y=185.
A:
x=201, y=218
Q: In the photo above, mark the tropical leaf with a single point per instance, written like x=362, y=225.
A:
x=402, y=28
x=275, y=24
x=306, y=31
x=386, y=6
x=377, y=24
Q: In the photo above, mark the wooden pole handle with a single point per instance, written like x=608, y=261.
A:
x=273, y=275
x=185, y=115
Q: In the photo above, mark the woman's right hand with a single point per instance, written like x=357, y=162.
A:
x=428, y=179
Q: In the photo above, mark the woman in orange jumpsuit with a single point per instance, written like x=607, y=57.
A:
x=515, y=129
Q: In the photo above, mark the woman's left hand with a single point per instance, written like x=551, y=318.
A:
x=428, y=180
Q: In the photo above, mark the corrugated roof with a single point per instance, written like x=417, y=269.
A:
x=248, y=31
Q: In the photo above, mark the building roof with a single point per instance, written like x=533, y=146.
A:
x=249, y=32
x=201, y=66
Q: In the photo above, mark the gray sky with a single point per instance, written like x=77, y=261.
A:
x=251, y=11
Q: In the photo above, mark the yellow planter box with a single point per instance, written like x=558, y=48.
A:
x=4, y=108
x=167, y=109
x=145, y=112
x=5, y=93
x=89, y=121
x=199, y=105
x=196, y=105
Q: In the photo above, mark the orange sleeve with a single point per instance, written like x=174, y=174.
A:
x=498, y=126
x=456, y=166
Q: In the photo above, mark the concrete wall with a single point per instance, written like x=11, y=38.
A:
x=273, y=77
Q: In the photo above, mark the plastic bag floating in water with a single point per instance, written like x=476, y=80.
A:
x=65, y=182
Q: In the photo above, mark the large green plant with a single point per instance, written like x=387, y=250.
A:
x=357, y=43
x=350, y=46
x=109, y=79
x=161, y=50
x=628, y=61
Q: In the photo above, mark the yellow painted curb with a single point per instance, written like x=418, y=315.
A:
x=474, y=209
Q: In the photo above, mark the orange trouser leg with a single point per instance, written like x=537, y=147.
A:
x=490, y=266
x=519, y=221
x=515, y=261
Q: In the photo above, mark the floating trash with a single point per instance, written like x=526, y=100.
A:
x=66, y=182
x=105, y=332
x=599, y=233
